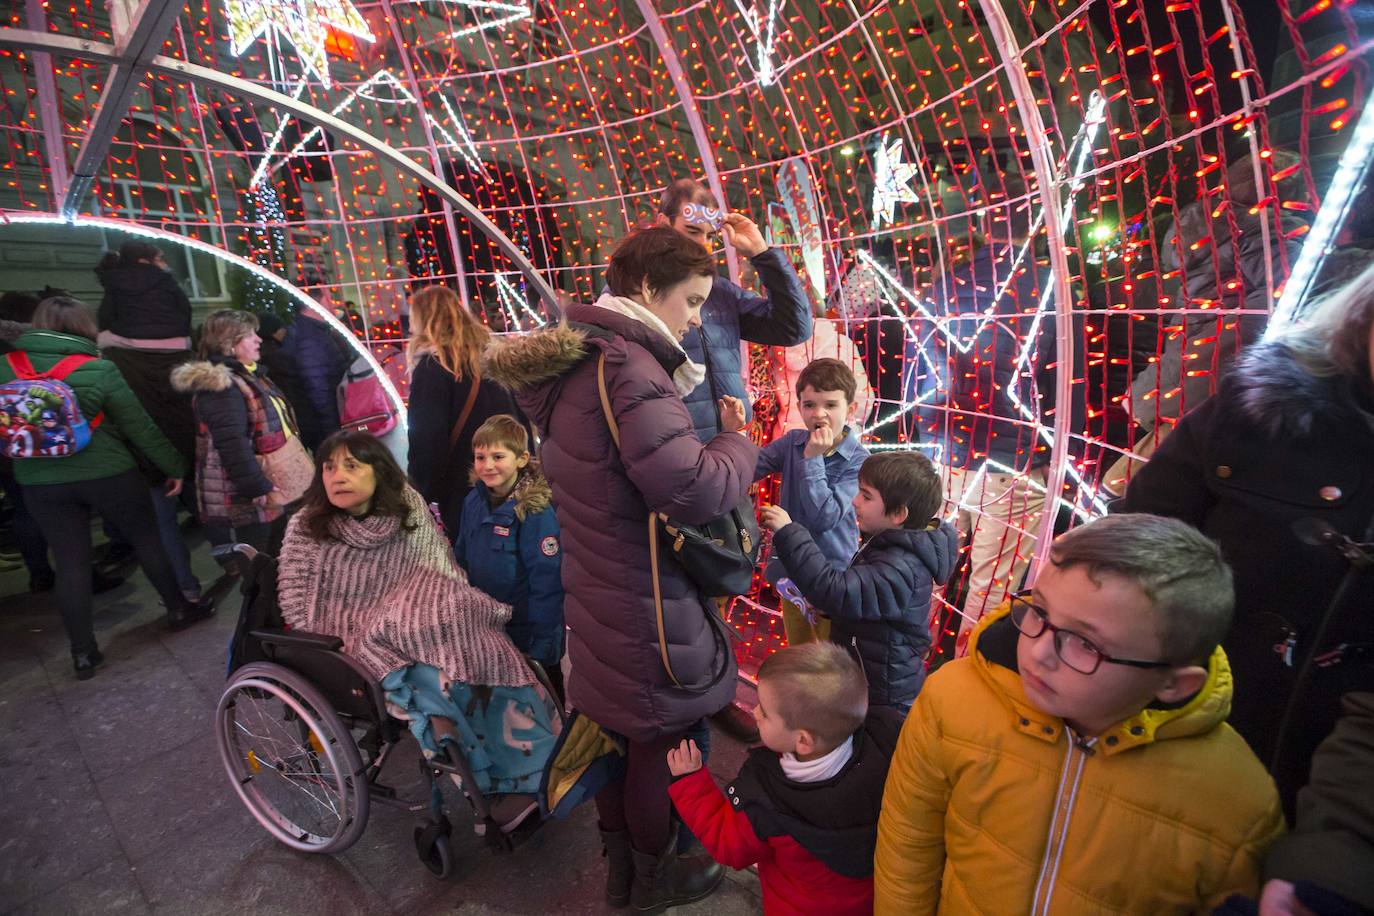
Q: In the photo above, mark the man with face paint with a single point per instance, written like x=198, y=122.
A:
x=780, y=318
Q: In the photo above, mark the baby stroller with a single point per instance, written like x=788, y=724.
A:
x=303, y=732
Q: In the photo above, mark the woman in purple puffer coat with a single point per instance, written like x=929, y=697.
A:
x=604, y=495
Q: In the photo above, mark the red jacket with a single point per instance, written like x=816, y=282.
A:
x=794, y=881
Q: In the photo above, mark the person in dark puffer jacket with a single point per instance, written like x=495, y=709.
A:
x=605, y=495
x=241, y=415
x=1288, y=437
x=143, y=301
x=145, y=330
x=782, y=318
x=103, y=477
x=320, y=365
x=880, y=604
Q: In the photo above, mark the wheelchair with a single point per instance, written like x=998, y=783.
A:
x=304, y=732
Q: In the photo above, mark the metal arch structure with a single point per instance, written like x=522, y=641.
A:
x=1038, y=141
x=668, y=54
x=295, y=292
x=64, y=45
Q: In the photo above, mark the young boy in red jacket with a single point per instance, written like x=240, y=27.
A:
x=805, y=806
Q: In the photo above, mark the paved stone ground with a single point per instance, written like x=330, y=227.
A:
x=113, y=798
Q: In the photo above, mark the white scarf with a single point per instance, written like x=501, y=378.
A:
x=820, y=769
x=688, y=375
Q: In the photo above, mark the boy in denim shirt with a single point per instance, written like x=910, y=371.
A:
x=508, y=541
x=819, y=465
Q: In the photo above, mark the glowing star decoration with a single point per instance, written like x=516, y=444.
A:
x=305, y=24
x=892, y=184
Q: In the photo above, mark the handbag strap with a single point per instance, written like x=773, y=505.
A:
x=441, y=485
x=653, y=526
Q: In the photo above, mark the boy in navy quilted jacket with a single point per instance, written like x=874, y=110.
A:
x=879, y=604
x=508, y=541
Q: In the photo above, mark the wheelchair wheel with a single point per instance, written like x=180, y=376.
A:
x=433, y=846
x=291, y=760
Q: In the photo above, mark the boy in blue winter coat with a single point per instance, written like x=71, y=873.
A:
x=508, y=541
x=819, y=465
x=879, y=603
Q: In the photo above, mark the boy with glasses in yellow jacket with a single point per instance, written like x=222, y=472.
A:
x=1078, y=759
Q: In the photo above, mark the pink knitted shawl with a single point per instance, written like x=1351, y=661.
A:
x=396, y=597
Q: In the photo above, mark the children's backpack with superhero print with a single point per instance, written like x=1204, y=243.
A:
x=39, y=414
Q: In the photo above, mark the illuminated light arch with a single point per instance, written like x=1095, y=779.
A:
x=162, y=235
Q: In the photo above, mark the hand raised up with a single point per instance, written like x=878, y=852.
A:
x=774, y=518
x=731, y=414
x=821, y=440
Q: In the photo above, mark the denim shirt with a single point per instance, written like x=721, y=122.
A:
x=817, y=492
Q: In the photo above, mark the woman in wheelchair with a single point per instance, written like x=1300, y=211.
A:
x=364, y=560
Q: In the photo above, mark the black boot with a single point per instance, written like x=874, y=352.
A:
x=667, y=879
x=189, y=613
x=620, y=874
x=85, y=663
x=738, y=723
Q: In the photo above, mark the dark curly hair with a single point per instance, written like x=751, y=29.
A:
x=388, y=500
x=658, y=257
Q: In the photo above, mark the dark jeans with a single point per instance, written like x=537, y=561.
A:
x=639, y=801
x=64, y=510
x=33, y=547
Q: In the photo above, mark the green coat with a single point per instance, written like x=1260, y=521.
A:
x=126, y=430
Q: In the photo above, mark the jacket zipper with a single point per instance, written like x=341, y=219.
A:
x=1078, y=752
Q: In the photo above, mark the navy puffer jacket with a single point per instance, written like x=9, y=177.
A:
x=731, y=314
x=144, y=302
x=604, y=495
x=880, y=605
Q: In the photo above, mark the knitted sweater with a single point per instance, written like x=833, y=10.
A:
x=396, y=597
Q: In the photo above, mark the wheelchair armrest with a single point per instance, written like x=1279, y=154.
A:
x=298, y=639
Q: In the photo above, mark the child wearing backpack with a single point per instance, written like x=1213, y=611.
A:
x=71, y=424
x=508, y=541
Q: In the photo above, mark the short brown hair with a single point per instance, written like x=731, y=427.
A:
x=826, y=374
x=222, y=330
x=682, y=192
x=657, y=257
x=1178, y=568
x=502, y=429
x=65, y=315
x=905, y=479
x=821, y=688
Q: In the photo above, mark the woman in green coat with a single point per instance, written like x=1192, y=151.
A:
x=103, y=477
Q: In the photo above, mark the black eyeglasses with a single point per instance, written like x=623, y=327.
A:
x=1078, y=652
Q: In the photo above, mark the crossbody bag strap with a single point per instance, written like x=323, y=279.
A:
x=445, y=472
x=653, y=526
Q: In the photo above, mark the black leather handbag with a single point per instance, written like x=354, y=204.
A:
x=719, y=556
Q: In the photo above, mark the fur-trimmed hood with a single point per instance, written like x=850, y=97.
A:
x=11, y=331
x=532, y=492
x=1284, y=399
x=521, y=363
x=202, y=375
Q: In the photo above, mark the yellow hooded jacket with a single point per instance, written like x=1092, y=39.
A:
x=992, y=806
